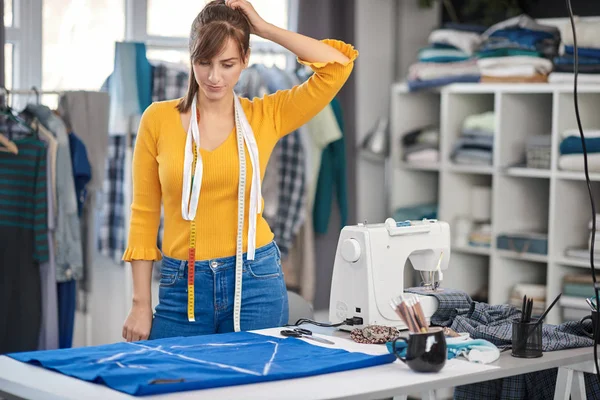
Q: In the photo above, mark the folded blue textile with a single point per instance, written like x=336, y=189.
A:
x=525, y=37
x=583, y=51
x=198, y=362
x=572, y=145
x=441, y=55
x=570, y=59
x=414, y=85
x=480, y=142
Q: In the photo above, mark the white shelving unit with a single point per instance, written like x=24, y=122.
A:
x=550, y=201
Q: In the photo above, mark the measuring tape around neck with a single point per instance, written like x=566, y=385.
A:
x=240, y=228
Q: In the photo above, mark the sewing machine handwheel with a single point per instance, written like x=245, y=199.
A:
x=350, y=250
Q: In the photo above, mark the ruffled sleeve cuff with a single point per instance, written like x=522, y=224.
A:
x=141, y=253
x=347, y=49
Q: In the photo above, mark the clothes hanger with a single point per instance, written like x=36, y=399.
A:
x=11, y=118
x=9, y=145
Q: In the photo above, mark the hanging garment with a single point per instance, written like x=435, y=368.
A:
x=169, y=81
x=139, y=368
x=86, y=113
x=82, y=170
x=292, y=189
x=130, y=89
x=251, y=85
x=292, y=173
x=129, y=86
x=48, y=338
x=111, y=235
x=69, y=254
x=332, y=177
x=23, y=243
x=67, y=296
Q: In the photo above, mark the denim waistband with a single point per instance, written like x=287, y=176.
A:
x=267, y=250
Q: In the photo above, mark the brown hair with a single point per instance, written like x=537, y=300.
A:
x=211, y=29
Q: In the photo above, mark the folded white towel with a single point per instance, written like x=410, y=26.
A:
x=431, y=70
x=504, y=71
x=569, y=77
x=588, y=33
x=426, y=156
x=587, y=133
x=574, y=162
x=468, y=42
x=541, y=65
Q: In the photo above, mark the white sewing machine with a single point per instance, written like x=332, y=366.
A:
x=369, y=268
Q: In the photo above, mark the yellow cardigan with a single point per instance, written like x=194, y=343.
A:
x=158, y=167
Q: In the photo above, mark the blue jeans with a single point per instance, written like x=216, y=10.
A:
x=264, y=295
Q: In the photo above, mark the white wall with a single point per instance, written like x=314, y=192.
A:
x=377, y=24
x=374, y=27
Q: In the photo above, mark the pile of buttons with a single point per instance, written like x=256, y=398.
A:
x=374, y=334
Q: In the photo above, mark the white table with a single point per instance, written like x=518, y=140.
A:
x=19, y=380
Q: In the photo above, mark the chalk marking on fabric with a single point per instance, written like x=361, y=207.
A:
x=187, y=358
x=268, y=365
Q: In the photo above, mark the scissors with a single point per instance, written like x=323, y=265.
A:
x=304, y=333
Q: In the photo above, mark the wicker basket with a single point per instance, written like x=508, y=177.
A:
x=538, y=157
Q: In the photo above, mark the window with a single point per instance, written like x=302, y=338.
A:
x=8, y=13
x=8, y=65
x=78, y=43
x=166, y=20
x=173, y=56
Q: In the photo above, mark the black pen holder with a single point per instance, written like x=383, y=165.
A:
x=526, y=339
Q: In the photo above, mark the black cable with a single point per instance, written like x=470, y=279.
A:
x=349, y=321
x=310, y=321
x=595, y=331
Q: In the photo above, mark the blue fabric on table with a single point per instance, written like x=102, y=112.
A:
x=199, y=362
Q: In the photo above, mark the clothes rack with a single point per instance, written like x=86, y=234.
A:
x=82, y=294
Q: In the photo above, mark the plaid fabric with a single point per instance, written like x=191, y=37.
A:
x=292, y=191
x=167, y=83
x=111, y=237
x=494, y=323
x=257, y=81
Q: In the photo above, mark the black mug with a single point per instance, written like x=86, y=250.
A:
x=594, y=317
x=425, y=352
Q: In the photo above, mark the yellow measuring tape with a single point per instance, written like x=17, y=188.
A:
x=192, y=249
x=239, y=242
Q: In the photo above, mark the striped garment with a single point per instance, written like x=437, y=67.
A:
x=23, y=193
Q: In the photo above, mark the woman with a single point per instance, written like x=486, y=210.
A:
x=186, y=154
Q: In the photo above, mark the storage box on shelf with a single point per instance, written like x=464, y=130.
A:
x=531, y=204
x=524, y=132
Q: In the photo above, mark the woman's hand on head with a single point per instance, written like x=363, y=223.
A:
x=258, y=25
